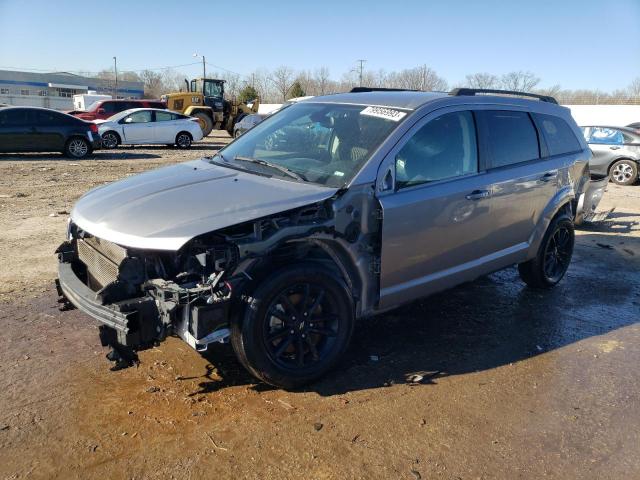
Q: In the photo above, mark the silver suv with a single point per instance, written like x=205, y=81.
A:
x=366, y=201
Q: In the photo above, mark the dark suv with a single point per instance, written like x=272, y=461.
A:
x=369, y=200
x=103, y=109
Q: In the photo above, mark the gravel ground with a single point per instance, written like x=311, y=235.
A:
x=488, y=380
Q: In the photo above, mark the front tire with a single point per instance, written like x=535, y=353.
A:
x=624, y=172
x=77, y=147
x=296, y=326
x=553, y=257
x=206, y=124
x=110, y=140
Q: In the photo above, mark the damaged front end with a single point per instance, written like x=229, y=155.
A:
x=142, y=296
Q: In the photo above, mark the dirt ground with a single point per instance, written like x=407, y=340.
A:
x=488, y=380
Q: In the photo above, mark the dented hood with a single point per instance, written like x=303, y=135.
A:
x=165, y=208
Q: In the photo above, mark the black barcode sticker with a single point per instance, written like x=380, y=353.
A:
x=383, y=112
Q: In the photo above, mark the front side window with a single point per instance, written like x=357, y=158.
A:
x=443, y=148
x=559, y=136
x=606, y=136
x=15, y=118
x=212, y=89
x=143, y=116
x=320, y=143
x=510, y=137
x=109, y=107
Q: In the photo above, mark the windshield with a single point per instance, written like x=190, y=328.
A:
x=320, y=143
x=93, y=106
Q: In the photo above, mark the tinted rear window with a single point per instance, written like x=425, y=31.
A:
x=558, y=134
x=510, y=137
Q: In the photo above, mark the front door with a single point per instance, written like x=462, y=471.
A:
x=138, y=127
x=437, y=217
x=17, y=132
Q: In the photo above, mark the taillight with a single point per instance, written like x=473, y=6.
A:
x=93, y=127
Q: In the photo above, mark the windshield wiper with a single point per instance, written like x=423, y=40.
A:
x=280, y=168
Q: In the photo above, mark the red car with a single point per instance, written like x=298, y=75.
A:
x=103, y=109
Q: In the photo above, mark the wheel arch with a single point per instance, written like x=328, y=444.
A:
x=326, y=252
x=119, y=137
x=561, y=204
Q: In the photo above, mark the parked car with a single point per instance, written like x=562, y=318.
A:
x=616, y=152
x=104, y=109
x=33, y=129
x=635, y=126
x=247, y=122
x=394, y=195
x=149, y=126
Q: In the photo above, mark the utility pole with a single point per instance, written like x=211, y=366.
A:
x=204, y=68
x=361, y=66
x=115, y=69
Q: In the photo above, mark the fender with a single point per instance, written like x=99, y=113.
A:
x=198, y=108
x=561, y=200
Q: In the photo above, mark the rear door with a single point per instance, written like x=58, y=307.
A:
x=436, y=217
x=165, y=127
x=138, y=127
x=50, y=130
x=522, y=181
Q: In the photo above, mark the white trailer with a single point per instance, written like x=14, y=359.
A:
x=83, y=100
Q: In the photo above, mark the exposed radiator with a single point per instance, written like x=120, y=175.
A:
x=102, y=260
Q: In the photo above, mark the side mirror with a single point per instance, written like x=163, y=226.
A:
x=386, y=184
x=101, y=111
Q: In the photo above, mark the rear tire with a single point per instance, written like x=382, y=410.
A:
x=77, y=147
x=553, y=257
x=183, y=140
x=296, y=326
x=206, y=124
x=624, y=172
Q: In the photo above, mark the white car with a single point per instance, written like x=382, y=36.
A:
x=149, y=126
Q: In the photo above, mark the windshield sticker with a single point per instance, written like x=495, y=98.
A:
x=338, y=173
x=382, y=112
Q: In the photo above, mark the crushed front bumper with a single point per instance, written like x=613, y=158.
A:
x=135, y=322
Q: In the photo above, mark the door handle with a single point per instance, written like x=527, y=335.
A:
x=615, y=147
x=478, y=194
x=547, y=177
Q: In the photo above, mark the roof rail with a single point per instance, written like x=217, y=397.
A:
x=463, y=92
x=380, y=89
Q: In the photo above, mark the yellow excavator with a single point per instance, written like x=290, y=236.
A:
x=204, y=100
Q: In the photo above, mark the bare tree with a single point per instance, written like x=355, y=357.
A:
x=172, y=81
x=153, y=84
x=322, y=79
x=482, y=80
x=418, y=78
x=519, y=81
x=634, y=87
x=282, y=77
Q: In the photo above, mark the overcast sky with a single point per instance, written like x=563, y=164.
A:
x=574, y=43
